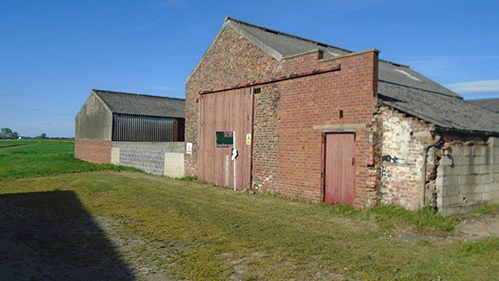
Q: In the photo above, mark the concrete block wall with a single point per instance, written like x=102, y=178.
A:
x=160, y=158
x=174, y=164
x=469, y=177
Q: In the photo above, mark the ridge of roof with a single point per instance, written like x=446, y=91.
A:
x=394, y=63
x=135, y=94
x=416, y=88
x=277, y=32
x=318, y=43
x=491, y=104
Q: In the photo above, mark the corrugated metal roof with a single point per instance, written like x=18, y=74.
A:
x=143, y=105
x=399, y=85
x=490, y=104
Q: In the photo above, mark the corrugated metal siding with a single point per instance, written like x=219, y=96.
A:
x=141, y=128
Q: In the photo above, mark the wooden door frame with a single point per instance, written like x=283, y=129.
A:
x=324, y=144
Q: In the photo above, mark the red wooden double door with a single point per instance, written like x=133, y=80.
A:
x=225, y=111
x=339, y=180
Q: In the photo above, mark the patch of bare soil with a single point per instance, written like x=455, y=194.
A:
x=46, y=239
x=483, y=226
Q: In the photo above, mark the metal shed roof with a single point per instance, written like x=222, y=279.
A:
x=142, y=105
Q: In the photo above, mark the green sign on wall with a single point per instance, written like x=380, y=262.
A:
x=224, y=138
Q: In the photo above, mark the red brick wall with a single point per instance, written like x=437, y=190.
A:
x=316, y=101
x=231, y=60
x=266, y=138
x=95, y=151
x=287, y=150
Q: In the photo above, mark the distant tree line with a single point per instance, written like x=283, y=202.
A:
x=6, y=133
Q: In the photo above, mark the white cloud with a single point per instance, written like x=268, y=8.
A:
x=484, y=87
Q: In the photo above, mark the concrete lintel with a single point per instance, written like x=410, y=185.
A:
x=339, y=127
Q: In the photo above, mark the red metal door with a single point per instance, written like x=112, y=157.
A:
x=225, y=111
x=339, y=171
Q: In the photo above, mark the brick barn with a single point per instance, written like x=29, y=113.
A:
x=316, y=121
x=130, y=129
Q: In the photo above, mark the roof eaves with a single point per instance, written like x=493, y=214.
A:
x=412, y=113
x=148, y=115
x=474, y=132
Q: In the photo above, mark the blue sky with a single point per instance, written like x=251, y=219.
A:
x=52, y=53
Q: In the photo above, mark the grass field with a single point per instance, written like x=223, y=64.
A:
x=29, y=158
x=243, y=236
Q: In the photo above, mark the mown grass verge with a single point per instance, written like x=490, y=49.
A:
x=269, y=237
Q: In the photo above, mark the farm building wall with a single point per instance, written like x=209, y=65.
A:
x=94, y=121
x=458, y=179
x=93, y=132
x=160, y=158
x=331, y=102
x=144, y=128
x=468, y=177
x=95, y=151
x=291, y=117
x=403, y=142
x=232, y=59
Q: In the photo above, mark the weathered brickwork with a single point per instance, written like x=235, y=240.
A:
x=468, y=176
x=266, y=138
x=95, y=151
x=231, y=60
x=287, y=146
x=309, y=105
x=403, y=142
x=462, y=170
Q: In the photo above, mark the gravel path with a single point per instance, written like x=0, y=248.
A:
x=40, y=240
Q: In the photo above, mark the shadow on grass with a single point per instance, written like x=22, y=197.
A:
x=50, y=236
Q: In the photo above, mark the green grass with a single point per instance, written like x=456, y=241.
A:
x=7, y=143
x=20, y=159
x=275, y=239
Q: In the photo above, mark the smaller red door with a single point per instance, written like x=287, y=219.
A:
x=339, y=171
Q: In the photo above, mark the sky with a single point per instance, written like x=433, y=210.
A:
x=53, y=53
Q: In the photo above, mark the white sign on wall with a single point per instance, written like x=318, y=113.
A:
x=188, y=148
